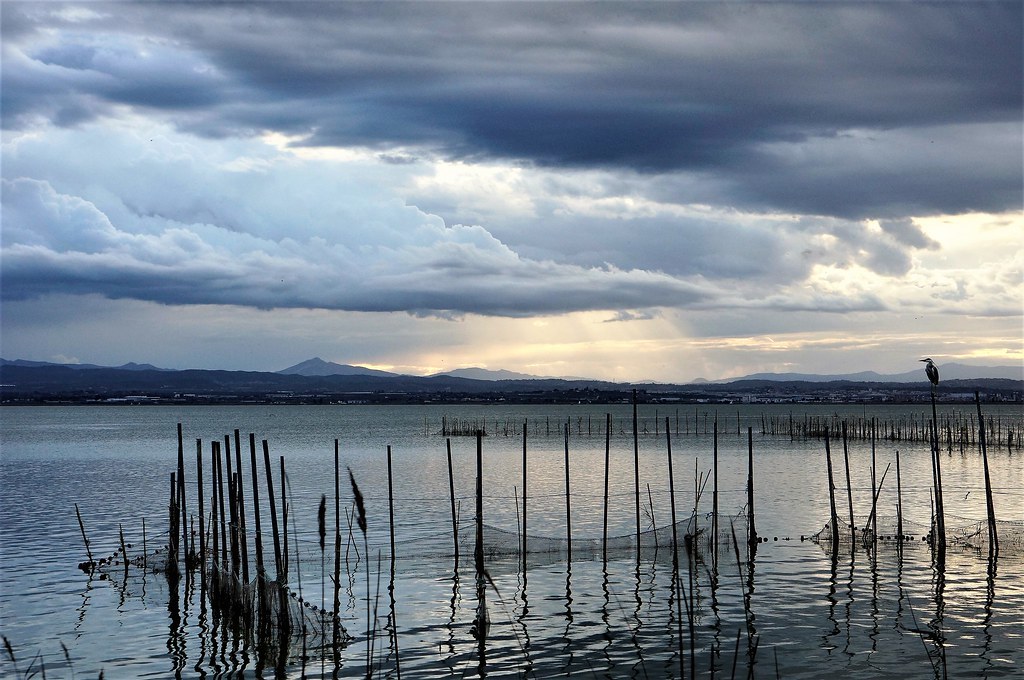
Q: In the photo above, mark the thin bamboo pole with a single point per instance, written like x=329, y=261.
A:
x=202, y=520
x=243, y=542
x=524, y=548
x=636, y=478
x=752, y=539
x=451, y=494
x=568, y=499
x=607, y=456
x=993, y=537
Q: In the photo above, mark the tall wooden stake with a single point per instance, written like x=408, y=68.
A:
x=607, y=456
x=993, y=537
x=636, y=479
x=752, y=539
x=524, y=503
x=568, y=500
x=451, y=494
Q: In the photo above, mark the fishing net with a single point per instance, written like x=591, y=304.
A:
x=960, y=532
x=273, y=617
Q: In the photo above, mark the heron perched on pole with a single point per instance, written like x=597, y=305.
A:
x=931, y=371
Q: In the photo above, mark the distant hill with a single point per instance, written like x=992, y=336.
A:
x=319, y=367
x=475, y=373
x=950, y=371
x=130, y=366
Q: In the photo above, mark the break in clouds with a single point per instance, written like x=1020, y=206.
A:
x=501, y=159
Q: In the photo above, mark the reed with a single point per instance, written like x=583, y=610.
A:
x=361, y=522
x=85, y=539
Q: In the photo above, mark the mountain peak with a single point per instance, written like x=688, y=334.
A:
x=318, y=367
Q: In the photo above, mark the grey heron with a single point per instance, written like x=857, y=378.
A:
x=931, y=371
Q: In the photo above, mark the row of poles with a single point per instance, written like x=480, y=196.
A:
x=752, y=538
x=938, y=531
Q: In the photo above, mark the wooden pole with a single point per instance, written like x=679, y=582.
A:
x=714, y=501
x=939, y=507
x=202, y=521
x=568, y=500
x=214, y=524
x=849, y=487
x=607, y=457
x=993, y=537
x=899, y=502
x=752, y=539
x=874, y=491
x=479, y=549
x=833, y=515
x=524, y=502
x=336, y=635
x=391, y=509
x=260, y=568
x=284, y=524
x=451, y=494
x=243, y=541
x=232, y=510
x=220, y=502
x=636, y=479
x=271, y=500
x=181, y=496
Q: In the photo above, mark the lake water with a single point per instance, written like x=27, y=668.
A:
x=865, y=614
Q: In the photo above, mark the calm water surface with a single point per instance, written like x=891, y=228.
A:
x=864, y=615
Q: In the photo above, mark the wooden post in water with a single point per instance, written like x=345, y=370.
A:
x=232, y=517
x=714, y=501
x=284, y=523
x=391, y=509
x=899, y=502
x=636, y=478
x=523, y=545
x=181, y=497
x=993, y=537
x=451, y=493
x=272, y=502
x=260, y=568
x=336, y=634
x=220, y=502
x=202, y=522
x=172, y=530
x=568, y=500
x=940, y=514
x=752, y=539
x=849, y=489
x=243, y=541
x=607, y=456
x=214, y=533
x=833, y=515
x=874, y=491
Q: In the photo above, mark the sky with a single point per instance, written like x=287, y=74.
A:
x=638, y=191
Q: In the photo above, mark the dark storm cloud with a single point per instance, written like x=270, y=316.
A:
x=761, y=97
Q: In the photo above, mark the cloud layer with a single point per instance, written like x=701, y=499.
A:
x=748, y=165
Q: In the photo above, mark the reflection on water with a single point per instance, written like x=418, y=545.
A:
x=891, y=611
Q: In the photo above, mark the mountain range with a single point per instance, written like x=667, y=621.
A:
x=317, y=367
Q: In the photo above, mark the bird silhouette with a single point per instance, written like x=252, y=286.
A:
x=931, y=371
